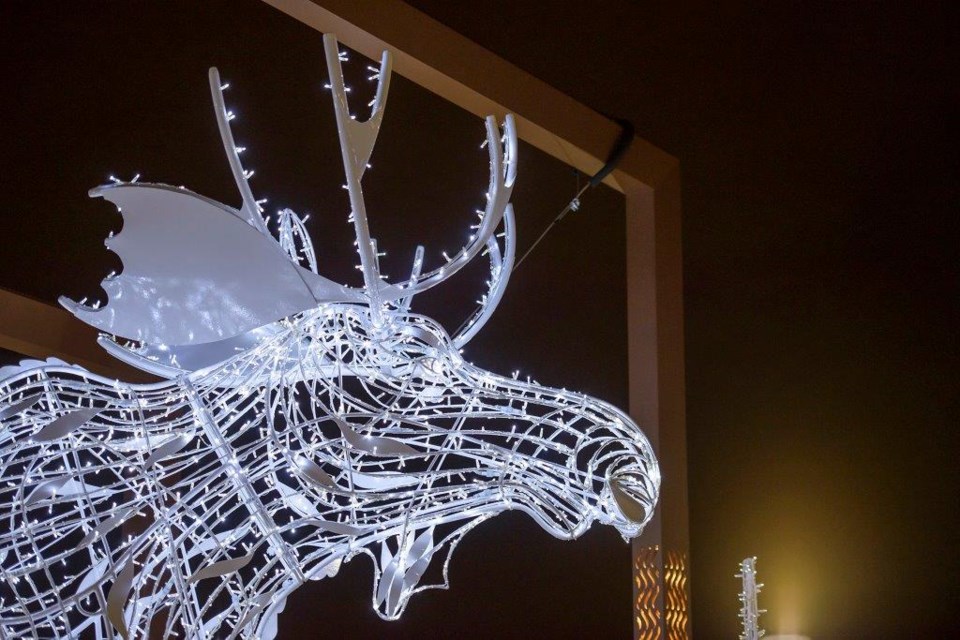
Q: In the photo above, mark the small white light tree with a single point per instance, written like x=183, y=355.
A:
x=749, y=612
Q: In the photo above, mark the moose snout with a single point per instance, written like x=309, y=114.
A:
x=631, y=494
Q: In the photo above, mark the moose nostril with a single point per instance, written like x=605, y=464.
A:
x=632, y=495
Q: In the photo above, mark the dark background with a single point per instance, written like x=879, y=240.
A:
x=820, y=239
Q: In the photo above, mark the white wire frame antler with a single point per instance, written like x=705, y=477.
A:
x=357, y=140
x=250, y=209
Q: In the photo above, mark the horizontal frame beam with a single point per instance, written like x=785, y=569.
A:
x=475, y=79
x=39, y=330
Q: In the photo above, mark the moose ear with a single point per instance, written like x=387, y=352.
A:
x=194, y=271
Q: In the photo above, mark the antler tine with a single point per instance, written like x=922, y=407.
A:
x=293, y=227
x=503, y=171
x=250, y=209
x=357, y=140
x=500, y=269
x=404, y=303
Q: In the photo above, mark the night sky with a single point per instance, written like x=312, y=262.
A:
x=821, y=288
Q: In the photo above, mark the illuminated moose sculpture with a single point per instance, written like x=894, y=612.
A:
x=301, y=422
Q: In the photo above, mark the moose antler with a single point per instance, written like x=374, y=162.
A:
x=503, y=172
x=356, y=144
x=500, y=269
x=357, y=140
x=250, y=210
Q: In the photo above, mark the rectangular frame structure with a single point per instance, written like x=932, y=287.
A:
x=451, y=66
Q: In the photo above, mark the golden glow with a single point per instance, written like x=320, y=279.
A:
x=646, y=580
x=650, y=611
x=676, y=607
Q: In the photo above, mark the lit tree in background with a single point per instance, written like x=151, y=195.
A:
x=749, y=612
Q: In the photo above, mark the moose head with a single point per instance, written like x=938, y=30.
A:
x=301, y=422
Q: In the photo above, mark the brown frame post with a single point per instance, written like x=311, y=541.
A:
x=661, y=556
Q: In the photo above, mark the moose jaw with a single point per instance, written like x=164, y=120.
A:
x=300, y=422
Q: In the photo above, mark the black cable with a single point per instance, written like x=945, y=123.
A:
x=620, y=147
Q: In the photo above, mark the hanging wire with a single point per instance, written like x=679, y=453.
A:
x=620, y=147
x=573, y=205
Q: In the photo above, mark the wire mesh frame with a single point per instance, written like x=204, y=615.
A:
x=198, y=504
